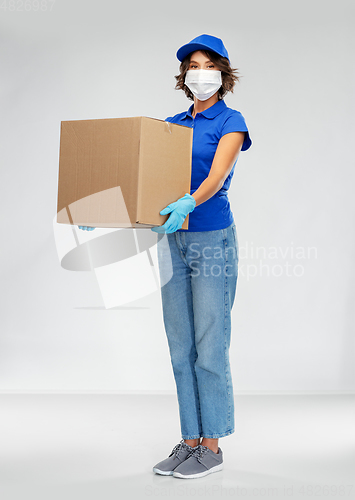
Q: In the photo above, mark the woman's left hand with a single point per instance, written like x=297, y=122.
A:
x=179, y=209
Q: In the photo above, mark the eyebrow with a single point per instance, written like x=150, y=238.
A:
x=197, y=63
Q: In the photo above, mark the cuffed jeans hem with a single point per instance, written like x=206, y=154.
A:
x=209, y=436
x=216, y=436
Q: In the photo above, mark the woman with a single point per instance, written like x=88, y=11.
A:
x=198, y=295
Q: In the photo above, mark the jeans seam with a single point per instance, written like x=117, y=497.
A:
x=236, y=241
x=199, y=416
x=225, y=333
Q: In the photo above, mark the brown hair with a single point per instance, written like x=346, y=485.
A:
x=229, y=75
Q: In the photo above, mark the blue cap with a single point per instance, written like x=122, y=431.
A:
x=203, y=42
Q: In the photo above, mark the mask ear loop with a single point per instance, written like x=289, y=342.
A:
x=168, y=124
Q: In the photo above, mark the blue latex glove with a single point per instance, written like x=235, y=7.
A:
x=179, y=209
x=86, y=228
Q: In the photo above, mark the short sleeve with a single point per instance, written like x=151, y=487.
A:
x=236, y=123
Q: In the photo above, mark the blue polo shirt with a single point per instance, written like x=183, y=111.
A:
x=208, y=127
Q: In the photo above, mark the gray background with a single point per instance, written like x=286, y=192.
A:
x=293, y=188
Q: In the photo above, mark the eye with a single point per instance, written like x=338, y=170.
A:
x=210, y=66
x=193, y=66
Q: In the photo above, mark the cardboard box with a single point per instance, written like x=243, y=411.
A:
x=120, y=172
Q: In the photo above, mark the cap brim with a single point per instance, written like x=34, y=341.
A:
x=191, y=47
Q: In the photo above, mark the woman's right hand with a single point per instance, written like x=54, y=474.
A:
x=86, y=228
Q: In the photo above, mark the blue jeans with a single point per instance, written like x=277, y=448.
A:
x=198, y=272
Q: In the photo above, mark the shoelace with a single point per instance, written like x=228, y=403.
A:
x=199, y=452
x=179, y=447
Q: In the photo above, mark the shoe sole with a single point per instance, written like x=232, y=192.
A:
x=163, y=472
x=200, y=474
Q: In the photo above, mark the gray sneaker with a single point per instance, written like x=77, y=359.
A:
x=199, y=463
x=179, y=453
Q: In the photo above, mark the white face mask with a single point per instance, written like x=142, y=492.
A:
x=203, y=83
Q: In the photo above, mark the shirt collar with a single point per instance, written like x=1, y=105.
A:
x=210, y=112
